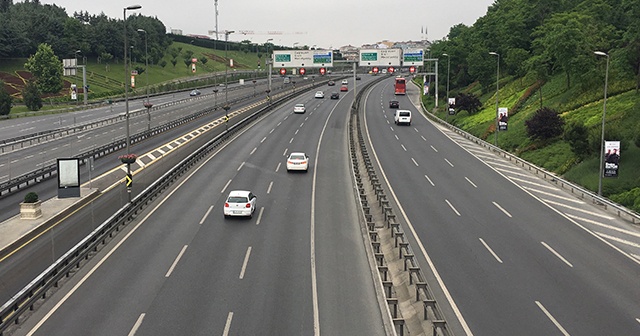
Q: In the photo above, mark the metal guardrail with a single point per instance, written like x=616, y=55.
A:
x=579, y=191
x=47, y=172
x=360, y=156
x=37, y=289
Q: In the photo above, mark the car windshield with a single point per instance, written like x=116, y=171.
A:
x=297, y=157
x=237, y=199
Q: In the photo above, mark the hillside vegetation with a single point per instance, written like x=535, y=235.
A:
x=545, y=50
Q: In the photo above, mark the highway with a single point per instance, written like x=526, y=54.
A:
x=510, y=263
x=298, y=267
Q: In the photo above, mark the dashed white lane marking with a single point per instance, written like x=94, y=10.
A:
x=502, y=209
x=449, y=162
x=468, y=180
x=546, y=312
x=175, y=262
x=227, y=325
x=415, y=163
x=395, y=135
x=285, y=152
x=452, y=207
x=241, y=165
x=253, y=151
x=391, y=127
x=269, y=189
x=423, y=138
x=290, y=141
x=206, y=214
x=403, y=147
x=137, y=325
x=244, y=264
x=260, y=216
x=263, y=139
x=434, y=149
x=490, y=250
x=556, y=253
x=225, y=186
x=428, y=179
x=278, y=167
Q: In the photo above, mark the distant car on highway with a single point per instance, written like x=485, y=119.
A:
x=358, y=78
x=299, y=108
x=335, y=95
x=344, y=88
x=394, y=104
x=240, y=203
x=195, y=92
x=345, y=82
x=331, y=83
x=319, y=94
x=298, y=161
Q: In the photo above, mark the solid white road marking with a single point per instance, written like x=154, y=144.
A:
x=502, y=209
x=490, y=250
x=609, y=227
x=428, y=179
x=227, y=325
x=452, y=207
x=535, y=184
x=546, y=312
x=556, y=253
x=619, y=240
x=206, y=214
x=554, y=195
x=468, y=180
x=260, y=216
x=578, y=209
x=175, y=262
x=225, y=186
x=244, y=264
x=136, y=325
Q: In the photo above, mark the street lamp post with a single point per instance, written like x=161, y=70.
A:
x=604, y=114
x=269, y=65
x=226, y=74
x=147, y=104
x=448, y=68
x=126, y=88
x=497, y=90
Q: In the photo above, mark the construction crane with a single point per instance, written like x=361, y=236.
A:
x=254, y=32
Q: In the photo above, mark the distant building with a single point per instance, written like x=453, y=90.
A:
x=176, y=31
x=350, y=52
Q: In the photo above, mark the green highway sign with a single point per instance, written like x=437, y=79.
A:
x=373, y=56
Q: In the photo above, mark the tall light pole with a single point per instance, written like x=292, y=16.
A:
x=126, y=88
x=226, y=74
x=269, y=65
x=604, y=114
x=448, y=68
x=147, y=104
x=497, y=90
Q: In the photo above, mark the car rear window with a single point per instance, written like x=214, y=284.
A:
x=297, y=157
x=237, y=199
x=405, y=114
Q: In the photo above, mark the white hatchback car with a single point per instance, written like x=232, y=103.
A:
x=240, y=203
x=319, y=94
x=298, y=161
x=345, y=82
x=299, y=108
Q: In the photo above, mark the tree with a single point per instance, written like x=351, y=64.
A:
x=5, y=100
x=578, y=137
x=187, y=62
x=31, y=96
x=544, y=124
x=47, y=69
x=204, y=60
x=174, y=61
x=162, y=63
x=468, y=102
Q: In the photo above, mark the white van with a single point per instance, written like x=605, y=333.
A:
x=402, y=117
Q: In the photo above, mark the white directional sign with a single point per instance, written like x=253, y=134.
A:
x=303, y=58
x=380, y=57
x=413, y=57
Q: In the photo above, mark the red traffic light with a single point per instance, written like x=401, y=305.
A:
x=283, y=71
x=390, y=70
x=322, y=71
x=375, y=70
x=303, y=71
x=412, y=69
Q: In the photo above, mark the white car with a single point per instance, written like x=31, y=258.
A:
x=402, y=117
x=298, y=161
x=240, y=203
x=345, y=82
x=319, y=94
x=299, y=108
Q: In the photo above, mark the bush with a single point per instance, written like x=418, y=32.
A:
x=577, y=135
x=544, y=124
x=30, y=197
x=468, y=102
x=31, y=96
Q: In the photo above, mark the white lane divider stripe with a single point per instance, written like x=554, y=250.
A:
x=452, y=207
x=227, y=325
x=175, y=262
x=206, y=214
x=244, y=264
x=502, y=209
x=137, y=325
x=468, y=180
x=490, y=250
x=546, y=312
x=556, y=254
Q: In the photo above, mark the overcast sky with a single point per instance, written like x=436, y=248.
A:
x=327, y=23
